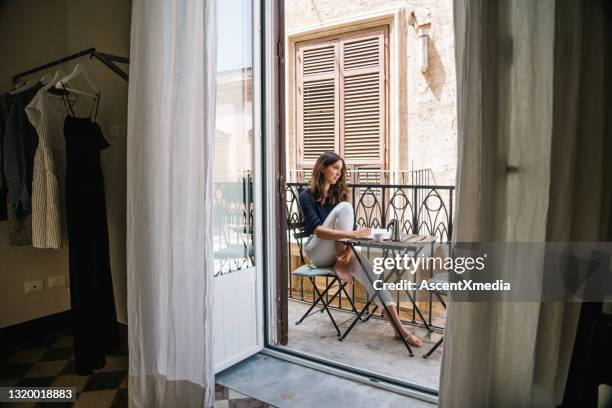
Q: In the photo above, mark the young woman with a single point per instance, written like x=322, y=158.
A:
x=328, y=217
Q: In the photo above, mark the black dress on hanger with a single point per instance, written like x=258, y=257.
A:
x=94, y=318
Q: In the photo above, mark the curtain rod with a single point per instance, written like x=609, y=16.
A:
x=107, y=59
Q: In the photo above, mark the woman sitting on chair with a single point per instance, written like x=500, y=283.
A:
x=328, y=217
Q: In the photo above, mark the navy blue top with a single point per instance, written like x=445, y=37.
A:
x=314, y=212
x=20, y=144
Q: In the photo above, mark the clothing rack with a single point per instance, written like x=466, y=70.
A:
x=107, y=59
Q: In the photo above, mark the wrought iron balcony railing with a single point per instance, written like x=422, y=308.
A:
x=420, y=209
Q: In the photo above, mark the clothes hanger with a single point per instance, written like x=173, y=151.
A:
x=79, y=69
x=47, y=77
x=77, y=91
x=30, y=83
x=17, y=86
x=58, y=75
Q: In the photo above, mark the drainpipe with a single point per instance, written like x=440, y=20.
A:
x=423, y=55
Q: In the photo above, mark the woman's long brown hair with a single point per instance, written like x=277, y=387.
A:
x=337, y=192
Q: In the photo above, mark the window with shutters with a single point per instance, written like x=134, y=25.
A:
x=341, y=100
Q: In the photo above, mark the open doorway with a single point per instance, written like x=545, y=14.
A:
x=376, y=84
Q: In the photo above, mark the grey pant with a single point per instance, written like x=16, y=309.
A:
x=323, y=252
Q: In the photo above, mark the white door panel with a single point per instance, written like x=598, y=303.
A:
x=235, y=317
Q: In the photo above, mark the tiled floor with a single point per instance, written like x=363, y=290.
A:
x=49, y=362
x=228, y=398
x=370, y=346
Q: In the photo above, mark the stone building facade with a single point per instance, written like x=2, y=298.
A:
x=420, y=129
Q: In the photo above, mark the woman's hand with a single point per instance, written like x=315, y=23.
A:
x=360, y=233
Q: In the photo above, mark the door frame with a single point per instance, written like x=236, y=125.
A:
x=259, y=227
x=273, y=96
x=273, y=152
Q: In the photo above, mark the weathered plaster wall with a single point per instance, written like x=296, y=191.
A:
x=423, y=131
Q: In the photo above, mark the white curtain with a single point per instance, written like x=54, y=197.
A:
x=532, y=127
x=169, y=202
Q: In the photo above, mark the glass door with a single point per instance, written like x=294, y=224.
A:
x=238, y=324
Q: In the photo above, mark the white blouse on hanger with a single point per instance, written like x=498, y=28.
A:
x=47, y=113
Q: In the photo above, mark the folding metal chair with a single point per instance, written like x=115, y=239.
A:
x=441, y=277
x=311, y=272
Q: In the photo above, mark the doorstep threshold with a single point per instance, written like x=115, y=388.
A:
x=283, y=382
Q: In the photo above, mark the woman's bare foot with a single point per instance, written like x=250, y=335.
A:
x=343, y=272
x=411, y=339
x=391, y=314
x=345, y=257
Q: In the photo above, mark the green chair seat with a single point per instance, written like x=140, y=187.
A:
x=311, y=271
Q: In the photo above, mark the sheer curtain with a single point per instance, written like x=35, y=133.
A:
x=169, y=202
x=533, y=116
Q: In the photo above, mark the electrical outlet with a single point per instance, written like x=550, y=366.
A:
x=33, y=287
x=56, y=281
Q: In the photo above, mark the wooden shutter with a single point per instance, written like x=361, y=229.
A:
x=362, y=114
x=341, y=99
x=317, y=101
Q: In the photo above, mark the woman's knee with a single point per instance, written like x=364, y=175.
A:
x=345, y=206
x=341, y=217
x=345, y=213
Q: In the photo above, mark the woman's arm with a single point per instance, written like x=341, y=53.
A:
x=313, y=223
x=333, y=235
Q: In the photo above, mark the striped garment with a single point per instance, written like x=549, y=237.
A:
x=47, y=113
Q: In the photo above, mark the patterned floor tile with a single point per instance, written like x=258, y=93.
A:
x=19, y=405
x=118, y=363
x=247, y=403
x=121, y=399
x=14, y=371
x=104, y=380
x=235, y=395
x=222, y=404
x=60, y=353
x=96, y=399
x=221, y=393
x=228, y=398
x=26, y=356
x=68, y=368
x=46, y=369
x=9, y=382
x=35, y=382
x=48, y=361
x=41, y=342
x=63, y=341
x=71, y=380
x=55, y=405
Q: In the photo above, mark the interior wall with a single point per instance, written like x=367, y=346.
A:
x=33, y=32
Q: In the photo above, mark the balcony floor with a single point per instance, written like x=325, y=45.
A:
x=370, y=346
